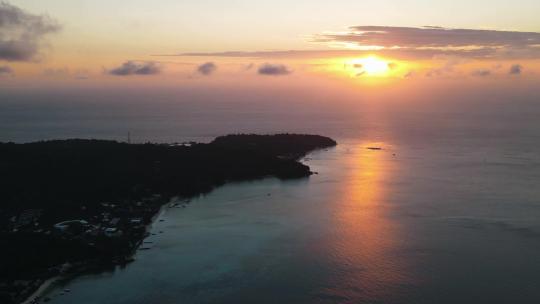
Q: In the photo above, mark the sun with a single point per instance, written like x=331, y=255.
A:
x=370, y=66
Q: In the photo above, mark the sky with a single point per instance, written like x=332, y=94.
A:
x=59, y=44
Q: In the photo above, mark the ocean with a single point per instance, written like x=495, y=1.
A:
x=446, y=212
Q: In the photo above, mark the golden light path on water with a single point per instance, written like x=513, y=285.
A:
x=366, y=239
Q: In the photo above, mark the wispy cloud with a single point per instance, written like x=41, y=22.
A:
x=430, y=37
x=274, y=69
x=22, y=33
x=207, y=68
x=391, y=53
x=408, y=43
x=136, y=68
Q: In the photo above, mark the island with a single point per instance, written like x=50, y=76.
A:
x=69, y=206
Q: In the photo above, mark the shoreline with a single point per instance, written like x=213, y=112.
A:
x=110, y=226
x=126, y=259
x=41, y=289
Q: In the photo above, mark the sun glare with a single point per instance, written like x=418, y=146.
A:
x=370, y=66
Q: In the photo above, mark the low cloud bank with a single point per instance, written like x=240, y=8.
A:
x=136, y=68
x=274, y=69
x=207, y=68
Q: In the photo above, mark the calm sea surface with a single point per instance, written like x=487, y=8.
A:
x=447, y=212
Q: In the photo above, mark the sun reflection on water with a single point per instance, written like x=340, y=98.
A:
x=366, y=239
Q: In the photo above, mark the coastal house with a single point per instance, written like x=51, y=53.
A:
x=112, y=232
x=114, y=222
x=71, y=226
x=27, y=217
x=136, y=221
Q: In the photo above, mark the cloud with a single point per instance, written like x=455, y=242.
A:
x=273, y=69
x=429, y=36
x=408, y=43
x=136, y=68
x=447, y=68
x=481, y=73
x=5, y=71
x=207, y=68
x=516, y=69
x=391, y=53
x=22, y=34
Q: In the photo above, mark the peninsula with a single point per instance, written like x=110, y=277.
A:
x=73, y=205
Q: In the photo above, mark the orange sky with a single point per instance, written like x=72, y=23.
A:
x=133, y=43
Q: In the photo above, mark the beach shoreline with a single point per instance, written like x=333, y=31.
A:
x=41, y=289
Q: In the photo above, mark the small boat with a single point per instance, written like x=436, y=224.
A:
x=374, y=148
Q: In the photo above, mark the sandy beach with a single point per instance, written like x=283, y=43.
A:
x=46, y=284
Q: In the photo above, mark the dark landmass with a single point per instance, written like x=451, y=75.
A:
x=109, y=191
